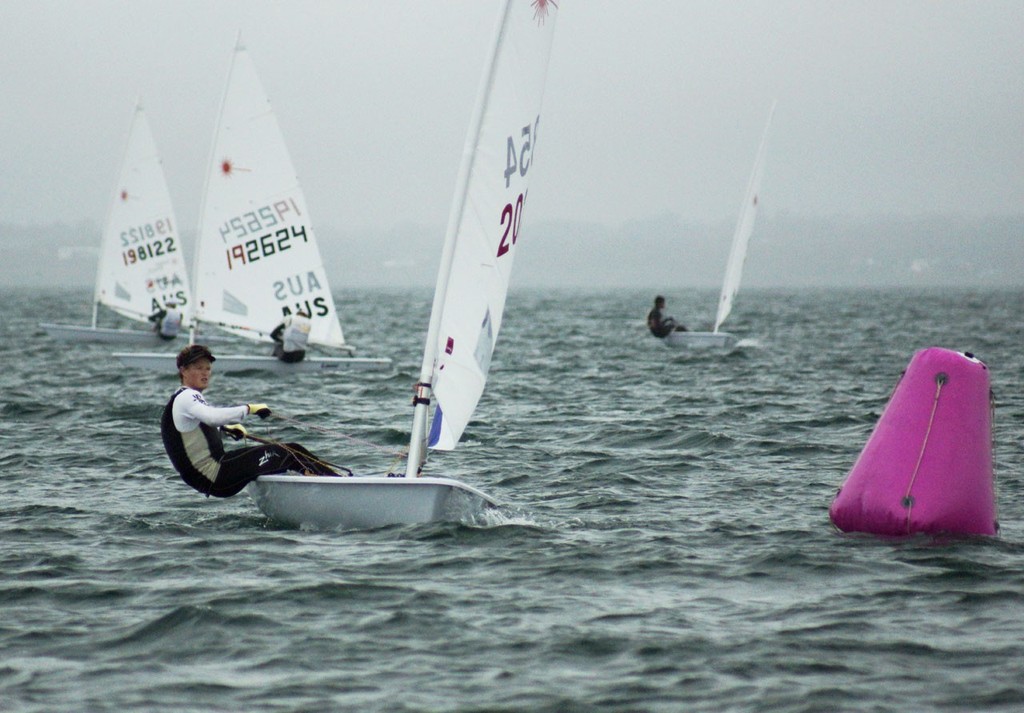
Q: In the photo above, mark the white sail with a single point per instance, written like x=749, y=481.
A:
x=257, y=258
x=486, y=217
x=141, y=264
x=468, y=301
x=744, y=228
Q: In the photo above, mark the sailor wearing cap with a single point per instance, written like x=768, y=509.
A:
x=167, y=321
x=191, y=431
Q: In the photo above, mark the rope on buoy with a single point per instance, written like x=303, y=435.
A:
x=908, y=501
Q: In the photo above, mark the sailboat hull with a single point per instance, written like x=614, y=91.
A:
x=701, y=340
x=228, y=363
x=327, y=502
x=105, y=335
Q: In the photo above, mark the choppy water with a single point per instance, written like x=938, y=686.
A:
x=665, y=544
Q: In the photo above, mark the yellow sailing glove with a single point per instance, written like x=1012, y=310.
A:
x=261, y=410
x=235, y=430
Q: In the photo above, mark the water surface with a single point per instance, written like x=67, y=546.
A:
x=664, y=543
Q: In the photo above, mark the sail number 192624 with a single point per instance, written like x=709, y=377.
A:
x=265, y=246
x=517, y=160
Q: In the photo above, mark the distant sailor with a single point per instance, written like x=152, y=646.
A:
x=658, y=323
x=167, y=321
x=291, y=336
x=189, y=427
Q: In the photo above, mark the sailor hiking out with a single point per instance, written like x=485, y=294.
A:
x=191, y=431
x=659, y=324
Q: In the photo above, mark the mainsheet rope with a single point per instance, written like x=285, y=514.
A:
x=339, y=434
x=298, y=455
x=399, y=456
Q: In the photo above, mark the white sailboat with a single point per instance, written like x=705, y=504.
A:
x=141, y=264
x=716, y=338
x=469, y=299
x=257, y=259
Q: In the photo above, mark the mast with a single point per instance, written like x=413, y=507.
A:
x=744, y=227
x=206, y=187
x=418, y=438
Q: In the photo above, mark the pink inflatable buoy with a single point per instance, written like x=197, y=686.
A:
x=927, y=466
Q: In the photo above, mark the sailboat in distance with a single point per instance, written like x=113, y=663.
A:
x=717, y=339
x=469, y=299
x=257, y=256
x=141, y=265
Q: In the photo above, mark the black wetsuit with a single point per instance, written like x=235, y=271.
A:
x=659, y=326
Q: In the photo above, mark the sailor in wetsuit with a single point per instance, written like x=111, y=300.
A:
x=189, y=428
x=290, y=337
x=167, y=321
x=658, y=323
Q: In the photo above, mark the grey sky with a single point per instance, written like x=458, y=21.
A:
x=653, y=107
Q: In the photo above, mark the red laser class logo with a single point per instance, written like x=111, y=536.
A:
x=228, y=168
x=541, y=9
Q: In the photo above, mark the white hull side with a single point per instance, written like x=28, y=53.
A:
x=106, y=335
x=700, y=340
x=327, y=502
x=229, y=363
